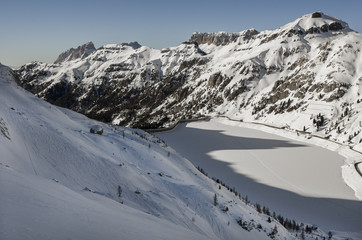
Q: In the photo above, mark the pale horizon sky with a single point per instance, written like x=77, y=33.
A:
x=40, y=30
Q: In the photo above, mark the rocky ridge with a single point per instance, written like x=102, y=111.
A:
x=73, y=54
x=222, y=38
x=288, y=77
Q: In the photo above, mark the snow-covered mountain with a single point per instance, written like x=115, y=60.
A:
x=59, y=179
x=304, y=75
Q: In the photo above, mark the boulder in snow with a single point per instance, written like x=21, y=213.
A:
x=96, y=129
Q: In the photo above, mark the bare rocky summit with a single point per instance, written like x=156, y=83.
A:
x=80, y=52
x=221, y=38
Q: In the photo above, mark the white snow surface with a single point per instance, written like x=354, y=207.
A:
x=59, y=181
x=291, y=175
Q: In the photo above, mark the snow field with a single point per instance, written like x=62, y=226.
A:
x=297, y=179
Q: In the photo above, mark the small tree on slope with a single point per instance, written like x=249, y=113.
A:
x=215, y=200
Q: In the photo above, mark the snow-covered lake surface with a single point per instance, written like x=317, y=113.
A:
x=300, y=181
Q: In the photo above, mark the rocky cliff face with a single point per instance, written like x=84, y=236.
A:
x=80, y=52
x=287, y=77
x=222, y=38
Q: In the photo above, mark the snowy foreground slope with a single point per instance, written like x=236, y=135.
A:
x=59, y=181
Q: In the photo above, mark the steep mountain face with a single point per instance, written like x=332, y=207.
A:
x=221, y=38
x=80, y=52
x=304, y=75
x=60, y=180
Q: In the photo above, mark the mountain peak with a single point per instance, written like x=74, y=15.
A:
x=80, y=52
x=318, y=22
x=135, y=45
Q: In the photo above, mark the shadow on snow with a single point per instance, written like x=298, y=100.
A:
x=327, y=213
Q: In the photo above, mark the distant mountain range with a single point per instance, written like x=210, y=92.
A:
x=304, y=75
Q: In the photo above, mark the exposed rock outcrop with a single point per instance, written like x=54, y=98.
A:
x=316, y=15
x=80, y=52
x=221, y=38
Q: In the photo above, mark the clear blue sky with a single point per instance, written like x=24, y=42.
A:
x=40, y=30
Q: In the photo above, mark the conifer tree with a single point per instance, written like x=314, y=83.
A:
x=215, y=199
x=119, y=191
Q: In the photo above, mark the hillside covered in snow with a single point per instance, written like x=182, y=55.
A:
x=304, y=75
x=64, y=176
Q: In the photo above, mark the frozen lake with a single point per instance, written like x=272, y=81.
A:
x=294, y=179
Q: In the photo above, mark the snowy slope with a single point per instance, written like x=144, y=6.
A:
x=60, y=181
